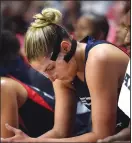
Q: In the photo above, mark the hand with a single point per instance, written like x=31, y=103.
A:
x=111, y=139
x=107, y=140
x=19, y=135
x=102, y=141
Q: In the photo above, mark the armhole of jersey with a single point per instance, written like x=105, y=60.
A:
x=89, y=47
x=24, y=85
x=119, y=49
x=33, y=95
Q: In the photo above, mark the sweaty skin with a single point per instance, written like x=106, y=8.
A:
x=13, y=96
x=103, y=79
x=125, y=134
x=104, y=71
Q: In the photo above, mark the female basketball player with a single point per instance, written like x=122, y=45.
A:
x=97, y=65
x=21, y=104
x=124, y=99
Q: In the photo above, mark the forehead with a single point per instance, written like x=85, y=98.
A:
x=41, y=62
x=126, y=19
x=85, y=20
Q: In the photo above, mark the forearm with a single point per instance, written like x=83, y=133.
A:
x=89, y=137
x=51, y=134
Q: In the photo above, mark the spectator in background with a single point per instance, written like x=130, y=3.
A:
x=127, y=42
x=14, y=7
x=71, y=12
x=18, y=26
x=117, y=10
x=114, y=14
x=14, y=20
x=98, y=7
x=93, y=25
x=58, y=4
x=122, y=31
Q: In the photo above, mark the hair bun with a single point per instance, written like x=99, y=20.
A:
x=52, y=15
x=46, y=17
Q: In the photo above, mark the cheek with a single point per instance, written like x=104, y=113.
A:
x=61, y=67
x=89, y=32
x=124, y=33
x=119, y=30
x=121, y=33
x=65, y=70
x=72, y=68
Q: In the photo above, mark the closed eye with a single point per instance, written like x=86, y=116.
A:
x=49, y=68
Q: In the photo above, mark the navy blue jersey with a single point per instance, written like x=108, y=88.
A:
x=35, y=117
x=82, y=90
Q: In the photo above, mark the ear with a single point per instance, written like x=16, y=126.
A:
x=65, y=46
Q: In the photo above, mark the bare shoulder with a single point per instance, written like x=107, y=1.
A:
x=12, y=86
x=7, y=83
x=107, y=52
x=108, y=55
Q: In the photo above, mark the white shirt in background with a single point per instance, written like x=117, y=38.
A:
x=124, y=98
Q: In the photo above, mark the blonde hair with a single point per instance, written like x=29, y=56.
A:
x=41, y=35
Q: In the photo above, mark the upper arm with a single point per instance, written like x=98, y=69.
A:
x=102, y=80
x=9, y=108
x=65, y=109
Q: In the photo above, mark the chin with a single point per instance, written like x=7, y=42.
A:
x=65, y=79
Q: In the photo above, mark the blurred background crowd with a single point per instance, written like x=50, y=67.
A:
x=100, y=19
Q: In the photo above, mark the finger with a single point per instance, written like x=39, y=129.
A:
x=8, y=140
x=99, y=141
x=3, y=140
x=106, y=140
x=12, y=129
x=121, y=141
